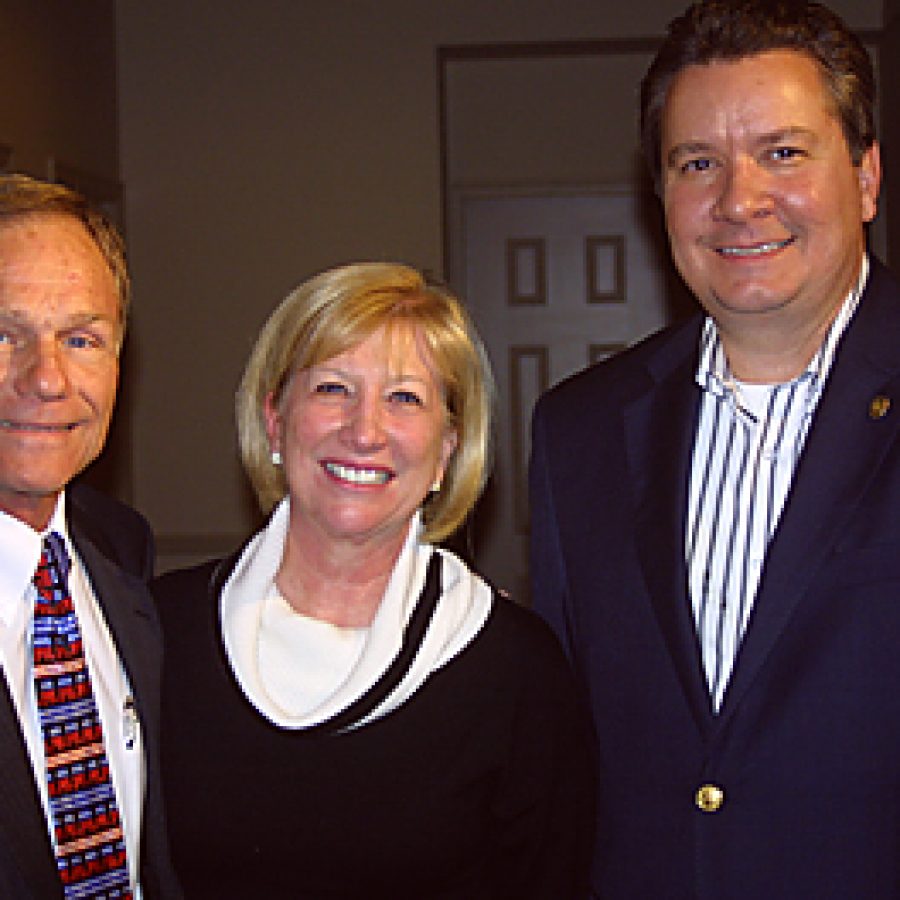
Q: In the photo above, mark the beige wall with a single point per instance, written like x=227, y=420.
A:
x=545, y=118
x=262, y=141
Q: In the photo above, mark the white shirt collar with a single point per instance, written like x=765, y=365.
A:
x=20, y=551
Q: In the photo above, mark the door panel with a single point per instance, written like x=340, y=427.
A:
x=553, y=283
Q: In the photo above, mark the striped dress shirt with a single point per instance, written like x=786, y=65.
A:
x=749, y=438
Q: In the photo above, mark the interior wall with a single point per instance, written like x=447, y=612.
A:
x=58, y=67
x=262, y=142
x=496, y=131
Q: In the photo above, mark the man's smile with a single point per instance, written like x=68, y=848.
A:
x=37, y=427
x=755, y=249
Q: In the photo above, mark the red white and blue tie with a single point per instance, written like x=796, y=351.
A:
x=90, y=844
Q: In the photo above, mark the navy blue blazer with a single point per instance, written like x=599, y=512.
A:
x=806, y=747
x=116, y=547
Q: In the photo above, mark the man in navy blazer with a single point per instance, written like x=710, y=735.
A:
x=716, y=512
x=63, y=302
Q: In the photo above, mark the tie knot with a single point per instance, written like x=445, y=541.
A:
x=57, y=556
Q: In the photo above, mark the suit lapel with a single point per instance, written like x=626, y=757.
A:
x=122, y=600
x=841, y=459
x=659, y=429
x=128, y=610
x=23, y=828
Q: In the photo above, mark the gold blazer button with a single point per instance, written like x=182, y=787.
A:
x=879, y=407
x=709, y=798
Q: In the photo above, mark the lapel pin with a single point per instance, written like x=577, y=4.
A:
x=879, y=407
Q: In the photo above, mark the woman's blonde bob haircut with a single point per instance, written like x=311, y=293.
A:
x=334, y=312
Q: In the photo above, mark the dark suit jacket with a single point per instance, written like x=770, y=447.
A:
x=116, y=547
x=807, y=744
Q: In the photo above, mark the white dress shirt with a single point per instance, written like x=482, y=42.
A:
x=20, y=551
x=748, y=442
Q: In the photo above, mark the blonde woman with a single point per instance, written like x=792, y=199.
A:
x=349, y=711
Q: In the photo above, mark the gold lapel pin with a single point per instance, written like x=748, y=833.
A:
x=879, y=407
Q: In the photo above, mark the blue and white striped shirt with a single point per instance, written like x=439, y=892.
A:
x=748, y=441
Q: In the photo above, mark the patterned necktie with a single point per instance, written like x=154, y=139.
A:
x=90, y=845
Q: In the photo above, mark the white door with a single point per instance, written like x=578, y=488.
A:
x=553, y=283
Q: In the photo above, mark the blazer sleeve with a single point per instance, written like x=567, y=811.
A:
x=546, y=560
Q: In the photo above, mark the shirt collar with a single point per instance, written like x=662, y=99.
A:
x=20, y=551
x=714, y=375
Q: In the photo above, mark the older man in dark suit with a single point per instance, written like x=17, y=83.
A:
x=80, y=809
x=716, y=512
